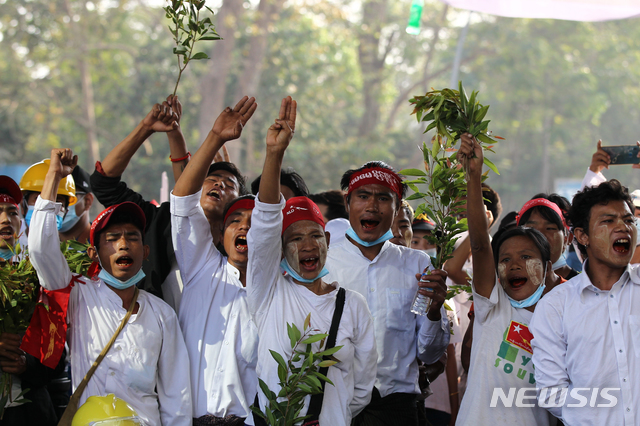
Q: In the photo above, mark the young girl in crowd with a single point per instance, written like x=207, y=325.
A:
x=501, y=355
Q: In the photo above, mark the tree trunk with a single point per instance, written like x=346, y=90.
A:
x=88, y=109
x=249, y=79
x=372, y=62
x=213, y=84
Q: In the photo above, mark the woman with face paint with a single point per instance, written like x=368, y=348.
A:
x=501, y=352
x=290, y=237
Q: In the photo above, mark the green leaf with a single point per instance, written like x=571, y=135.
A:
x=314, y=338
x=492, y=166
x=416, y=196
x=327, y=363
x=200, y=55
x=328, y=352
x=307, y=321
x=412, y=172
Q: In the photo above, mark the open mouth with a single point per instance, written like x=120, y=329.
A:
x=622, y=245
x=6, y=233
x=309, y=264
x=214, y=194
x=124, y=261
x=369, y=225
x=241, y=244
x=517, y=282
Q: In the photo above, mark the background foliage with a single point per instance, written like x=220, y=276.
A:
x=82, y=73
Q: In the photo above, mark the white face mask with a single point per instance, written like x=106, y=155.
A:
x=432, y=252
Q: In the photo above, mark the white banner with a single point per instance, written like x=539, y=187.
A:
x=572, y=10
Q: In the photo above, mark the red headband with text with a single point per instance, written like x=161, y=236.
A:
x=245, y=203
x=540, y=202
x=7, y=199
x=376, y=176
x=300, y=208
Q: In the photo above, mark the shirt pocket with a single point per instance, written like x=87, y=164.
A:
x=399, y=316
x=634, y=330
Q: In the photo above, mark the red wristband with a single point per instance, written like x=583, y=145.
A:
x=177, y=160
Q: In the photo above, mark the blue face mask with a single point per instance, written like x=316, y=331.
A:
x=29, y=215
x=285, y=265
x=6, y=254
x=71, y=218
x=432, y=252
x=531, y=300
x=562, y=261
x=121, y=285
x=351, y=233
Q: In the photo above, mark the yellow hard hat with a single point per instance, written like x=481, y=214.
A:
x=106, y=410
x=33, y=180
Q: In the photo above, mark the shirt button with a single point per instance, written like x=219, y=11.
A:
x=620, y=351
x=119, y=348
x=624, y=380
x=113, y=373
x=628, y=409
x=226, y=342
x=615, y=322
x=220, y=370
x=372, y=290
x=611, y=296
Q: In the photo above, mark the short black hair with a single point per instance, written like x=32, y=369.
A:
x=233, y=169
x=583, y=201
x=346, y=178
x=334, y=200
x=289, y=178
x=534, y=235
x=117, y=219
x=492, y=202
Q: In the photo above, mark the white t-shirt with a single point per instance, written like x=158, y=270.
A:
x=500, y=364
x=276, y=301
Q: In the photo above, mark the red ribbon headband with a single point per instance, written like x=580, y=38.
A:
x=245, y=203
x=376, y=176
x=7, y=199
x=540, y=202
x=300, y=208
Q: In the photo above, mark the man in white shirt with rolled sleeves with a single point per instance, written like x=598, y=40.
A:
x=586, y=344
x=387, y=276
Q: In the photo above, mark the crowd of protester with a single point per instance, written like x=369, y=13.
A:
x=186, y=302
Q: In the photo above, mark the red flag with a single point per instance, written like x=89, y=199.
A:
x=47, y=332
x=520, y=336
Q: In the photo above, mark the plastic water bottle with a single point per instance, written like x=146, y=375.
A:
x=421, y=303
x=413, y=27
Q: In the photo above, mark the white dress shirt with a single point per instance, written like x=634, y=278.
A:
x=389, y=285
x=276, y=301
x=588, y=338
x=592, y=179
x=221, y=337
x=147, y=366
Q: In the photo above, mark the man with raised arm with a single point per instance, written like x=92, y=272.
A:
x=148, y=364
x=385, y=274
x=294, y=239
x=224, y=183
x=220, y=335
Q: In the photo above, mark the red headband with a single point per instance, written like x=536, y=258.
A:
x=7, y=199
x=300, y=208
x=376, y=176
x=102, y=221
x=245, y=203
x=540, y=202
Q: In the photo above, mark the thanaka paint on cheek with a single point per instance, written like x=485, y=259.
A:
x=558, y=241
x=600, y=236
x=502, y=274
x=291, y=253
x=322, y=247
x=535, y=271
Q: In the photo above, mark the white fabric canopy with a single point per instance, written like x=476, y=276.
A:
x=573, y=10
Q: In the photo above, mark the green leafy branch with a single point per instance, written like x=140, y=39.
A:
x=187, y=30
x=19, y=288
x=297, y=380
x=451, y=113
